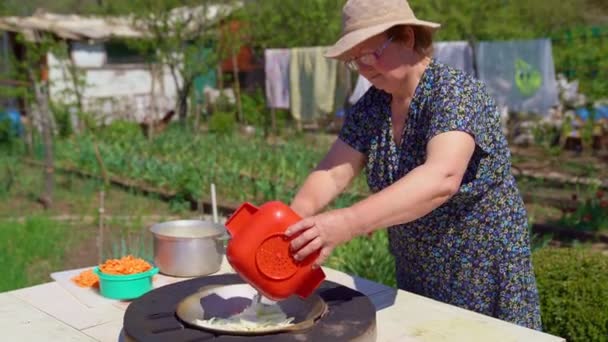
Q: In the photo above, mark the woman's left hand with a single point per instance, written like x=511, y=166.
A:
x=320, y=232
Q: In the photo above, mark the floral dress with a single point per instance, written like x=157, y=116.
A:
x=474, y=250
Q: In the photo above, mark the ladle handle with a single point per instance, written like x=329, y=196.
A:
x=214, y=203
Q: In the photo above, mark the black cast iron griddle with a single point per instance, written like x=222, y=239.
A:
x=350, y=316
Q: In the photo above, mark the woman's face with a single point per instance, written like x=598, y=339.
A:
x=392, y=60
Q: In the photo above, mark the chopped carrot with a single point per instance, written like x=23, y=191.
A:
x=86, y=278
x=123, y=266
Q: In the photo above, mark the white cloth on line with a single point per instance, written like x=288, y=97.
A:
x=276, y=68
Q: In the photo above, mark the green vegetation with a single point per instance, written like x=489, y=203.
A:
x=573, y=287
x=32, y=249
x=592, y=215
x=186, y=164
x=367, y=257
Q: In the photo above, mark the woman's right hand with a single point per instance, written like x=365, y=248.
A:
x=321, y=232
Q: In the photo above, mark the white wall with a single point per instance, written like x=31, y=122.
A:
x=112, y=91
x=85, y=55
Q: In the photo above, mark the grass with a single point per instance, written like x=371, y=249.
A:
x=35, y=243
x=32, y=249
x=73, y=195
x=39, y=245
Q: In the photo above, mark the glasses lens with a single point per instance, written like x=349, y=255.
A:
x=367, y=60
x=352, y=65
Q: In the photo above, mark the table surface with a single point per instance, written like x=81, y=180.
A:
x=60, y=311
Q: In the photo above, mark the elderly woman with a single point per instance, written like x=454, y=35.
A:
x=430, y=139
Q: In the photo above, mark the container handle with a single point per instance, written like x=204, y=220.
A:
x=309, y=286
x=240, y=218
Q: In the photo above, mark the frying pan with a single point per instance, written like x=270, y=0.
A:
x=224, y=301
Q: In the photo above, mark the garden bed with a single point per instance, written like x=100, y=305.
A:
x=226, y=207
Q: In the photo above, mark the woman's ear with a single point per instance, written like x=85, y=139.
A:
x=410, y=37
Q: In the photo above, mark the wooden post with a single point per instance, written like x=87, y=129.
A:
x=102, y=166
x=154, y=112
x=201, y=206
x=41, y=91
x=237, y=87
x=220, y=77
x=273, y=119
x=29, y=135
x=100, y=236
x=197, y=113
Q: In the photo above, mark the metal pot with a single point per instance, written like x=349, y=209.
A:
x=188, y=248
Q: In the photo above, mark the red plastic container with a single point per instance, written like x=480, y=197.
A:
x=259, y=252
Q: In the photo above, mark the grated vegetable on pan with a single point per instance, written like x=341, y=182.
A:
x=256, y=317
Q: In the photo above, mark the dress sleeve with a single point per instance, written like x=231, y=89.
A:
x=358, y=122
x=465, y=107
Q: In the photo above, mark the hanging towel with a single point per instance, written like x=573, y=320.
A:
x=457, y=54
x=360, y=89
x=276, y=67
x=343, y=87
x=312, y=79
x=519, y=74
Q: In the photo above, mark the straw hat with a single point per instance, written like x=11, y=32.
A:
x=363, y=19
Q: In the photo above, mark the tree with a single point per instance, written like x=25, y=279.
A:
x=28, y=7
x=293, y=23
x=177, y=38
x=30, y=73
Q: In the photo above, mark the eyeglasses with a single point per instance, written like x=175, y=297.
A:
x=368, y=59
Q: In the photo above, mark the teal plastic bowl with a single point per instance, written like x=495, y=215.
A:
x=123, y=287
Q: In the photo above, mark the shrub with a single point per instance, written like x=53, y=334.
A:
x=7, y=135
x=592, y=215
x=10, y=129
x=120, y=131
x=222, y=123
x=63, y=119
x=365, y=257
x=254, y=109
x=573, y=288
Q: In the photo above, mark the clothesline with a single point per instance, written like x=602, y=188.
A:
x=520, y=75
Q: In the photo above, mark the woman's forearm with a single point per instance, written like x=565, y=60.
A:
x=319, y=189
x=415, y=195
x=333, y=174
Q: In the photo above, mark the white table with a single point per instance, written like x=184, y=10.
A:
x=56, y=312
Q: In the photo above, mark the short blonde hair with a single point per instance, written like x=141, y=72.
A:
x=423, y=37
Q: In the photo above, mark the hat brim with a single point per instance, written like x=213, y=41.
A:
x=352, y=39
